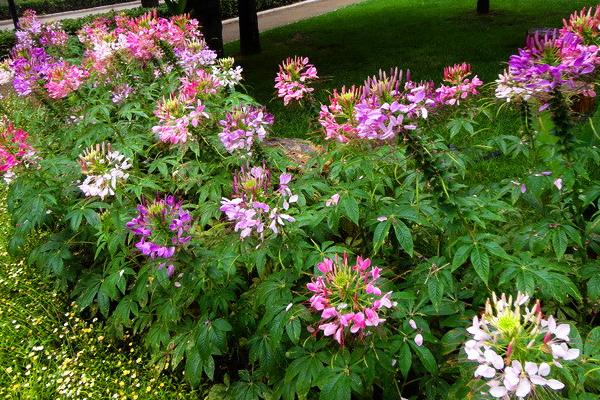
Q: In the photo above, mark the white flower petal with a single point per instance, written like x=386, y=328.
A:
x=523, y=388
x=554, y=384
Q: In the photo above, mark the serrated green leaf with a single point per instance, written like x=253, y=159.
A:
x=404, y=236
x=380, y=234
x=481, y=263
x=350, y=207
x=404, y=359
x=461, y=255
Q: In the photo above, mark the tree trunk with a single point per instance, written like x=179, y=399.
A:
x=149, y=3
x=12, y=9
x=249, y=35
x=208, y=13
x=483, y=7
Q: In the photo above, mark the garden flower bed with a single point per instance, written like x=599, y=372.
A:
x=141, y=178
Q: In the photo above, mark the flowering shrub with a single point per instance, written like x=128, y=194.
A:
x=217, y=274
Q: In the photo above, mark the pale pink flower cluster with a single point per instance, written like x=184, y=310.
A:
x=333, y=200
x=515, y=347
x=255, y=206
x=177, y=116
x=104, y=169
x=348, y=297
x=293, y=79
x=6, y=72
x=144, y=38
x=242, y=127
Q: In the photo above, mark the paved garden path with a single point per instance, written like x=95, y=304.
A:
x=267, y=19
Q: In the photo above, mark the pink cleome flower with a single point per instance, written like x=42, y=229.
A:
x=585, y=24
x=243, y=126
x=293, y=79
x=63, y=79
x=177, y=115
x=163, y=226
x=255, y=206
x=338, y=118
x=14, y=148
x=347, y=297
x=460, y=86
x=515, y=347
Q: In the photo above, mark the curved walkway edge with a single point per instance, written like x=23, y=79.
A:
x=268, y=19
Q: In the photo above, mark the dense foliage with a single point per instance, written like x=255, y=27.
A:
x=160, y=200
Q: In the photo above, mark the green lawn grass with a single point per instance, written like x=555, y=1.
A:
x=421, y=35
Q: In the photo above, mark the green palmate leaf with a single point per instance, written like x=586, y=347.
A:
x=350, y=208
x=591, y=346
x=426, y=357
x=461, y=255
x=336, y=387
x=435, y=289
x=404, y=359
x=381, y=233
x=293, y=329
x=404, y=236
x=193, y=367
x=497, y=250
x=593, y=287
x=481, y=263
x=559, y=242
x=452, y=340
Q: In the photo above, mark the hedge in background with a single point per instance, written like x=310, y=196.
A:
x=54, y=6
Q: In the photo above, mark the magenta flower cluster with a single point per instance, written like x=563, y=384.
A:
x=30, y=60
x=385, y=106
x=255, y=207
x=163, y=226
x=555, y=63
x=14, y=149
x=243, y=126
x=294, y=78
x=348, y=297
